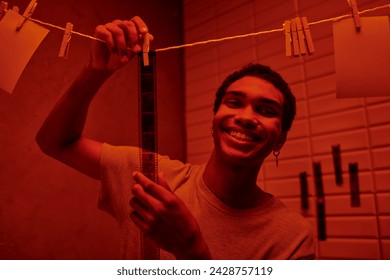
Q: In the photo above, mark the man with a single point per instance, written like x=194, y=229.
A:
x=213, y=211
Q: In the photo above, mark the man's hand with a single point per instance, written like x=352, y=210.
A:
x=164, y=218
x=124, y=38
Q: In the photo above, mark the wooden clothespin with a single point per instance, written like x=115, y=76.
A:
x=15, y=9
x=27, y=13
x=294, y=36
x=64, y=50
x=309, y=39
x=3, y=8
x=145, y=49
x=287, y=36
x=301, y=36
x=355, y=14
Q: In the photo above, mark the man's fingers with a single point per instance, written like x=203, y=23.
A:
x=156, y=190
x=131, y=33
x=141, y=26
x=122, y=35
x=139, y=222
x=119, y=37
x=145, y=198
x=141, y=209
x=102, y=33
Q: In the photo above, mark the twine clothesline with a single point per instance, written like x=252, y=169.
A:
x=219, y=39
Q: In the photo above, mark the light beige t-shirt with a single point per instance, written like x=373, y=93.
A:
x=269, y=231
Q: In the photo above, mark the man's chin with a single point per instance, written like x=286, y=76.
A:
x=240, y=158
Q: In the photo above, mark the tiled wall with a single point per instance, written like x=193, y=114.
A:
x=361, y=126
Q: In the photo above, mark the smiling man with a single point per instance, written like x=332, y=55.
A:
x=211, y=211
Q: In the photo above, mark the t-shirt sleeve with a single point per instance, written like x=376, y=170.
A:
x=116, y=166
x=293, y=234
x=306, y=245
x=306, y=249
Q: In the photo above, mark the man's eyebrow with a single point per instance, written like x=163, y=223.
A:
x=259, y=100
x=270, y=101
x=236, y=93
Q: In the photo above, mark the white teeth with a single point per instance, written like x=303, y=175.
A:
x=241, y=136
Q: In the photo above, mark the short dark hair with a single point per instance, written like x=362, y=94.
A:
x=265, y=73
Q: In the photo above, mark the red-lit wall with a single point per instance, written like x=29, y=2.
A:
x=361, y=126
x=47, y=210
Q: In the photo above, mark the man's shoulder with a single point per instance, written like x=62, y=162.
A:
x=289, y=217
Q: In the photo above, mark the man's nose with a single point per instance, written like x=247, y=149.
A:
x=247, y=118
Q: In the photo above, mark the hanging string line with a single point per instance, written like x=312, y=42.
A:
x=219, y=39
x=267, y=31
x=63, y=29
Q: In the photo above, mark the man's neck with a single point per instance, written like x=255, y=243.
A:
x=233, y=184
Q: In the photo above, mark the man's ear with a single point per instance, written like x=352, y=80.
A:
x=281, y=140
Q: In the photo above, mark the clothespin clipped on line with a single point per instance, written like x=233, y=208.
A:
x=301, y=36
x=64, y=50
x=145, y=49
x=287, y=36
x=355, y=14
x=15, y=9
x=308, y=38
x=27, y=14
x=3, y=8
x=298, y=38
x=294, y=35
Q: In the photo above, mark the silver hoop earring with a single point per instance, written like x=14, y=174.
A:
x=276, y=155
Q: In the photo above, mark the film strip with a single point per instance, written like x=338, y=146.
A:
x=147, y=116
x=319, y=186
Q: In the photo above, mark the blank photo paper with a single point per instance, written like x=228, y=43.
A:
x=17, y=47
x=362, y=58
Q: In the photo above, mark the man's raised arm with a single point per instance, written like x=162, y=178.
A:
x=61, y=135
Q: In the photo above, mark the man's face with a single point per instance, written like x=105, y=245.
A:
x=247, y=125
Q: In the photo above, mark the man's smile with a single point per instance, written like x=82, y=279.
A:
x=241, y=135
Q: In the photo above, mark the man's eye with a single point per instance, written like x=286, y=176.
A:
x=233, y=103
x=268, y=112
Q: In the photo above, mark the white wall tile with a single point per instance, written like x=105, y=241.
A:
x=199, y=116
x=385, y=249
x=379, y=113
x=299, y=129
x=341, y=205
x=328, y=103
x=355, y=227
x=320, y=67
x=200, y=146
x=382, y=180
x=296, y=148
x=381, y=158
x=348, y=140
x=299, y=90
x=366, y=184
x=384, y=226
x=200, y=130
x=338, y=122
x=354, y=249
x=383, y=203
x=200, y=101
x=380, y=136
x=362, y=157
x=321, y=85
x=200, y=57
